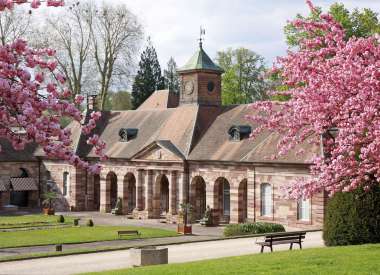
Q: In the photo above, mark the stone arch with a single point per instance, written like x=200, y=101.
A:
x=242, y=201
x=111, y=190
x=198, y=197
x=222, y=200
x=129, y=192
x=161, y=199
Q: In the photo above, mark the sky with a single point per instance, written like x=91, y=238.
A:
x=173, y=25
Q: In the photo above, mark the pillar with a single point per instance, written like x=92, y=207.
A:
x=173, y=193
x=122, y=192
x=105, y=194
x=234, y=203
x=149, y=192
x=139, y=190
x=251, y=205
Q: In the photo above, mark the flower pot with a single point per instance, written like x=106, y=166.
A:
x=48, y=211
x=184, y=229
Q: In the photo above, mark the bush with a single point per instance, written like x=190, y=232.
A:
x=61, y=219
x=252, y=228
x=353, y=218
x=90, y=223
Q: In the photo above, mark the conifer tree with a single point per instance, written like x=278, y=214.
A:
x=148, y=78
x=171, y=76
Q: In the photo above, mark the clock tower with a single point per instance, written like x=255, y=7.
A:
x=200, y=80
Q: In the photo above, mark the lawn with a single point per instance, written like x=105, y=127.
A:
x=337, y=260
x=18, y=221
x=75, y=235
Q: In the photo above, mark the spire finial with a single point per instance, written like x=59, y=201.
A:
x=202, y=33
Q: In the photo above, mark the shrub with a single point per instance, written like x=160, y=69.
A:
x=90, y=223
x=61, y=219
x=252, y=228
x=353, y=218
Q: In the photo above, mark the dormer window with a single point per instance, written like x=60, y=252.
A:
x=127, y=134
x=239, y=132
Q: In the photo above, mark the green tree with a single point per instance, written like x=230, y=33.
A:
x=171, y=76
x=121, y=100
x=148, y=78
x=358, y=23
x=243, y=80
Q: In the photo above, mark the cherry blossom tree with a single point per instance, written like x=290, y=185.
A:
x=33, y=97
x=334, y=90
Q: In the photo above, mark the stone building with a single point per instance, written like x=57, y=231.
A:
x=185, y=148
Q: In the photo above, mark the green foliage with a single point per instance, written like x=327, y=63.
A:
x=61, y=219
x=148, y=78
x=252, y=228
x=358, y=23
x=171, y=76
x=243, y=80
x=120, y=101
x=49, y=198
x=90, y=223
x=353, y=218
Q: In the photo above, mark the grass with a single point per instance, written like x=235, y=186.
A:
x=362, y=259
x=21, y=221
x=81, y=234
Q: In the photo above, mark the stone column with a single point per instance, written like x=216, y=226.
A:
x=90, y=192
x=173, y=193
x=156, y=195
x=77, y=187
x=122, y=192
x=234, y=203
x=251, y=205
x=139, y=190
x=105, y=193
x=183, y=183
x=149, y=192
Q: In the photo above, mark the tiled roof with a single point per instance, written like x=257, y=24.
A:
x=161, y=99
x=4, y=184
x=24, y=184
x=7, y=152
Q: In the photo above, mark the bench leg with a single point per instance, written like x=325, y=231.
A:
x=262, y=249
x=271, y=248
x=300, y=245
x=291, y=246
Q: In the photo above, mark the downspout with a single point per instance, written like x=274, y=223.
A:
x=254, y=193
x=39, y=181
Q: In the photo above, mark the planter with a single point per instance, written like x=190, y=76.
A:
x=48, y=211
x=148, y=256
x=184, y=229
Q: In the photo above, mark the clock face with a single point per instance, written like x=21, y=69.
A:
x=210, y=86
x=189, y=87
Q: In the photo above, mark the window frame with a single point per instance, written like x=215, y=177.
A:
x=66, y=184
x=266, y=210
x=302, y=210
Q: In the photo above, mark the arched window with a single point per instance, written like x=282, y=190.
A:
x=304, y=210
x=266, y=199
x=66, y=183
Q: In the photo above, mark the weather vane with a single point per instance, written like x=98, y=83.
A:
x=202, y=33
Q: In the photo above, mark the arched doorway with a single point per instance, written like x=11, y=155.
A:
x=222, y=199
x=162, y=183
x=96, y=192
x=111, y=182
x=198, y=197
x=242, y=201
x=130, y=195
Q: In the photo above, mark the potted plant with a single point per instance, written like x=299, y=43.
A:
x=184, y=217
x=48, y=208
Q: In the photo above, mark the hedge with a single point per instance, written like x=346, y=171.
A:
x=353, y=218
x=252, y=228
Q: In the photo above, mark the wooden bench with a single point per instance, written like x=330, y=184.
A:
x=282, y=238
x=127, y=233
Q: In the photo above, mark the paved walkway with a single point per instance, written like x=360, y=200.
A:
x=74, y=264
